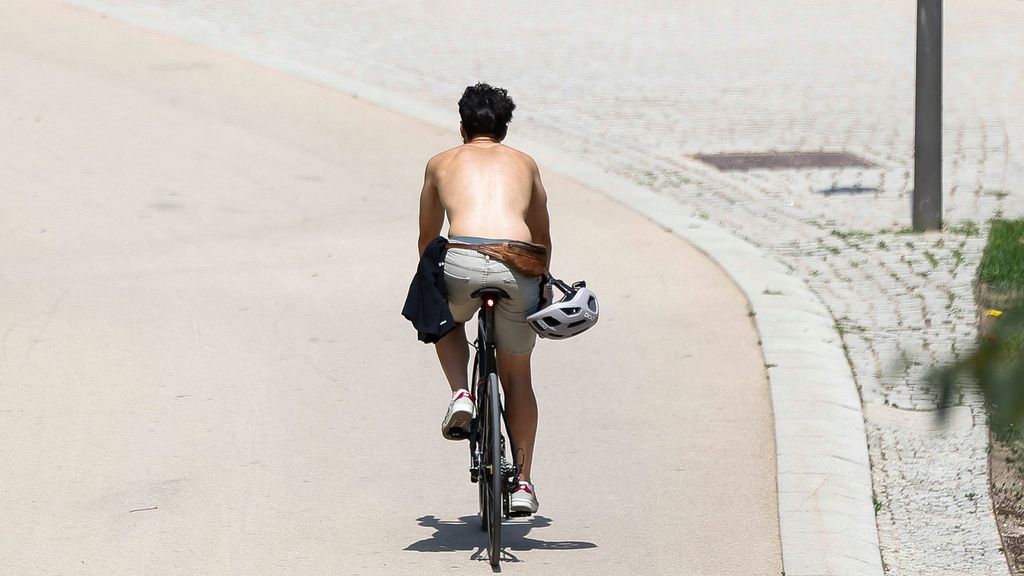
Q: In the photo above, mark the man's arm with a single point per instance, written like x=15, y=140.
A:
x=431, y=210
x=537, y=214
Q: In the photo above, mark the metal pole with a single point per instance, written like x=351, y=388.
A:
x=927, y=211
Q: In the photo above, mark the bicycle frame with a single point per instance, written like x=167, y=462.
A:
x=485, y=362
x=485, y=369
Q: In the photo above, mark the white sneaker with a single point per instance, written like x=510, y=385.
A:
x=524, y=499
x=460, y=413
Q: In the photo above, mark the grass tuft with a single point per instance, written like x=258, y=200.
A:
x=965, y=228
x=1002, y=264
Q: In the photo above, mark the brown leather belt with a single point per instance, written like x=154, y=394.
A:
x=524, y=257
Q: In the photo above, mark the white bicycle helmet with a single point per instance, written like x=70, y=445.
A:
x=576, y=312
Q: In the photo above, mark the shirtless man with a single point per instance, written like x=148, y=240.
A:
x=489, y=192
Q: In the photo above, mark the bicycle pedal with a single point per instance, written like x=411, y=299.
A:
x=514, y=514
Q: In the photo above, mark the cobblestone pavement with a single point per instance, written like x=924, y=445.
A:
x=639, y=88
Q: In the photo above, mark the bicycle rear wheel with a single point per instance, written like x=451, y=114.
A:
x=495, y=478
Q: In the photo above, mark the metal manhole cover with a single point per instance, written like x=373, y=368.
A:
x=783, y=160
x=850, y=190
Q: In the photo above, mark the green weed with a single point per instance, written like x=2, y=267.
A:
x=967, y=228
x=1002, y=264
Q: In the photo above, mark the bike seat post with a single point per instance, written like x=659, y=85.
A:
x=489, y=298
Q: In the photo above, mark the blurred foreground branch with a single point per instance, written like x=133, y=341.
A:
x=996, y=368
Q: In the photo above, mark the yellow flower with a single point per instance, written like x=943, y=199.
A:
x=993, y=313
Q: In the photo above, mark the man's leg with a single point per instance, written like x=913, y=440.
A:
x=453, y=352
x=520, y=404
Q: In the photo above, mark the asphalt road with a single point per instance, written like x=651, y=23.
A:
x=203, y=368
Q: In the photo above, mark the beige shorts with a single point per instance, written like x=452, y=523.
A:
x=466, y=271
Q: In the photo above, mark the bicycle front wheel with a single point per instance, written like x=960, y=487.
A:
x=478, y=442
x=496, y=478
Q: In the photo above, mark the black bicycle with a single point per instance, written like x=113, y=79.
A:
x=495, y=475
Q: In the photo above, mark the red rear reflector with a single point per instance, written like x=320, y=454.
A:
x=490, y=303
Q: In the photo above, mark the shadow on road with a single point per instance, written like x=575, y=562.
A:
x=465, y=534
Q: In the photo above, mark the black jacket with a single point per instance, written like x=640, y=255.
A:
x=426, y=306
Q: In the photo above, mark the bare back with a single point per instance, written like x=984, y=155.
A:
x=486, y=189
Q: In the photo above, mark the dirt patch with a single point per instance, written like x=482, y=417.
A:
x=1006, y=457
x=1006, y=461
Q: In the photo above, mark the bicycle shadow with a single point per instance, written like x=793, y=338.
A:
x=465, y=534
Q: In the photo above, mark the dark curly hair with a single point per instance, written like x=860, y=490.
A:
x=486, y=110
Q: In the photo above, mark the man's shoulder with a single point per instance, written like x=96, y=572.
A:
x=519, y=154
x=443, y=157
x=523, y=159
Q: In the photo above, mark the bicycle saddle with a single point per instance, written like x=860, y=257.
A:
x=485, y=292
